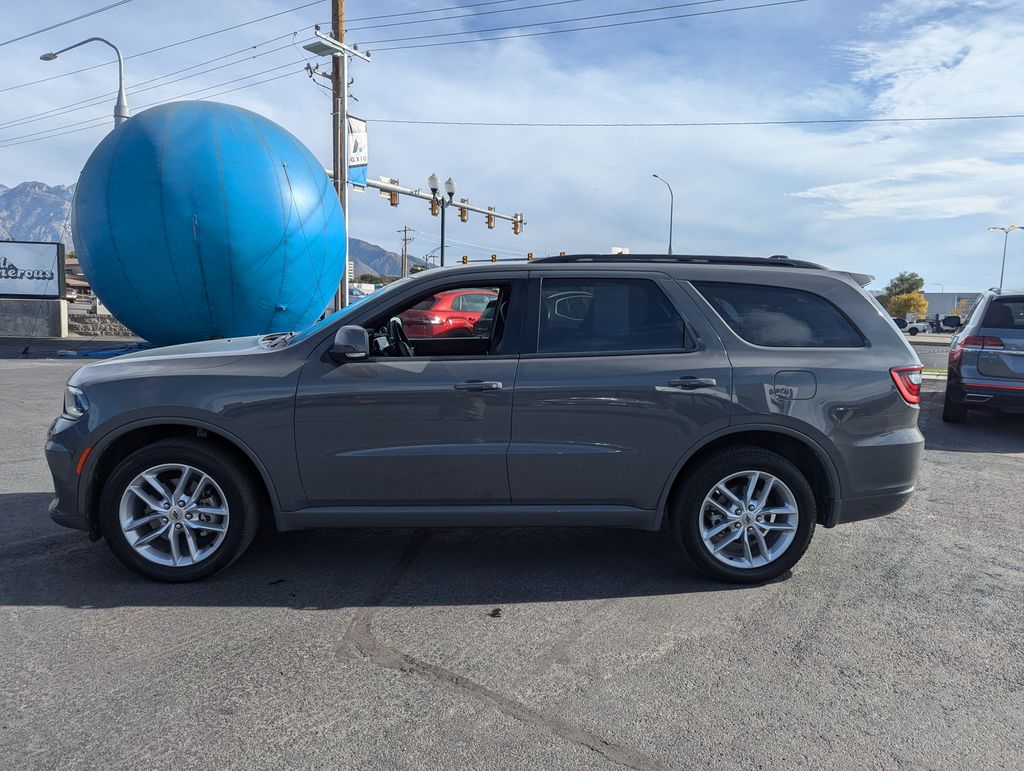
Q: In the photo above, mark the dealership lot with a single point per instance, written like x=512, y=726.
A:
x=894, y=642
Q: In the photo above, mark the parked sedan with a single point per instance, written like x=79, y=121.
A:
x=447, y=314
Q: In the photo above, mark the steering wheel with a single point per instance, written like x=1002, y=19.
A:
x=398, y=339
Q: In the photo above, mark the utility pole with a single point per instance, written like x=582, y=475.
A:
x=334, y=46
x=406, y=238
x=339, y=94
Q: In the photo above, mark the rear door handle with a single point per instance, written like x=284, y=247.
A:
x=479, y=385
x=688, y=383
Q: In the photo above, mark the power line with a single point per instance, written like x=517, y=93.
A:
x=593, y=27
x=63, y=23
x=464, y=15
x=699, y=124
x=547, y=23
x=428, y=10
x=93, y=122
x=239, y=26
x=165, y=47
x=93, y=101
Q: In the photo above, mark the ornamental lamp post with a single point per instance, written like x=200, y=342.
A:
x=438, y=200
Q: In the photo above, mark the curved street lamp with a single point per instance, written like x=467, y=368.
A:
x=121, y=112
x=1006, y=234
x=671, y=210
x=434, y=183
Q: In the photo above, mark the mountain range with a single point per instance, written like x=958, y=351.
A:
x=34, y=211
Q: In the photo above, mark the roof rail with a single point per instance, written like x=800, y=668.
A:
x=776, y=260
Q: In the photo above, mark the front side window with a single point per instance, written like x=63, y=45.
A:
x=608, y=315
x=780, y=317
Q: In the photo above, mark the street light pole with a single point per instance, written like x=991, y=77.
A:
x=1006, y=235
x=671, y=211
x=434, y=183
x=121, y=112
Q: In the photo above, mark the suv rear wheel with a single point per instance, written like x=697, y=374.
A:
x=178, y=510
x=953, y=412
x=744, y=515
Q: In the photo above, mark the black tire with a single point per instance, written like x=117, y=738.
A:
x=233, y=479
x=913, y=331
x=953, y=412
x=685, y=515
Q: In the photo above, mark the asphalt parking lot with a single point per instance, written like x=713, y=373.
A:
x=895, y=642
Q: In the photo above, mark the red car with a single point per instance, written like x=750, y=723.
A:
x=447, y=314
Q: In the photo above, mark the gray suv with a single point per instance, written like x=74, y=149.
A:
x=986, y=357
x=734, y=402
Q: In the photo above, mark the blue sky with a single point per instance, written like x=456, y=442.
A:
x=877, y=198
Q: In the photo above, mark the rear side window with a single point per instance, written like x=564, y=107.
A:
x=1005, y=313
x=608, y=315
x=780, y=317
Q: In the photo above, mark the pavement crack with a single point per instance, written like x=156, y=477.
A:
x=360, y=638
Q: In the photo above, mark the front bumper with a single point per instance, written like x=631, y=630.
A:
x=62, y=455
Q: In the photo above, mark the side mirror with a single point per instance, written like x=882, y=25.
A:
x=952, y=321
x=351, y=343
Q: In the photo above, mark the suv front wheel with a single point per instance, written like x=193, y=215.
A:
x=178, y=510
x=744, y=515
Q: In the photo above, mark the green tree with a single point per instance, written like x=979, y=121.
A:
x=905, y=283
x=369, y=278
x=901, y=305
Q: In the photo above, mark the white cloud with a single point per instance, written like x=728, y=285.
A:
x=928, y=192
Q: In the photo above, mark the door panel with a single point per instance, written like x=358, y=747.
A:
x=610, y=429
x=405, y=431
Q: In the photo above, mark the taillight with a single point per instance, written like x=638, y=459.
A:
x=981, y=341
x=908, y=382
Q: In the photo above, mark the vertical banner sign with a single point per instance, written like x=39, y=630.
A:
x=357, y=153
x=30, y=269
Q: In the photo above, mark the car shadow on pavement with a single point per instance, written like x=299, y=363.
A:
x=992, y=432
x=326, y=569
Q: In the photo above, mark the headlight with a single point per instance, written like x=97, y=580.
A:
x=75, y=403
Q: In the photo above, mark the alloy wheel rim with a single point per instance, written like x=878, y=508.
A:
x=174, y=515
x=749, y=519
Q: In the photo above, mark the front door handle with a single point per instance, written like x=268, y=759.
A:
x=688, y=383
x=479, y=385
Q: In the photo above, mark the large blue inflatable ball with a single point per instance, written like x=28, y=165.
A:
x=197, y=220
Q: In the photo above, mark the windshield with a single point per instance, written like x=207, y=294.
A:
x=338, y=316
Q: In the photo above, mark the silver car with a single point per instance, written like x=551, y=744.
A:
x=986, y=357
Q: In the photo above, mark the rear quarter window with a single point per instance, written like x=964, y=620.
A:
x=780, y=317
x=1005, y=313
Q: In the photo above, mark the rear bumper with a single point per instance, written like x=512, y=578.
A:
x=869, y=507
x=981, y=395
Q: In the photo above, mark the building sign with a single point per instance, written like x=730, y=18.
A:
x=31, y=269
x=357, y=151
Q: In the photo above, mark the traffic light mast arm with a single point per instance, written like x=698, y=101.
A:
x=391, y=187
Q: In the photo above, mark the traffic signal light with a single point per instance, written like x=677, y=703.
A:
x=529, y=256
x=393, y=197
x=561, y=254
x=494, y=258
x=463, y=214
x=465, y=260
x=490, y=218
x=433, y=206
x=515, y=226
